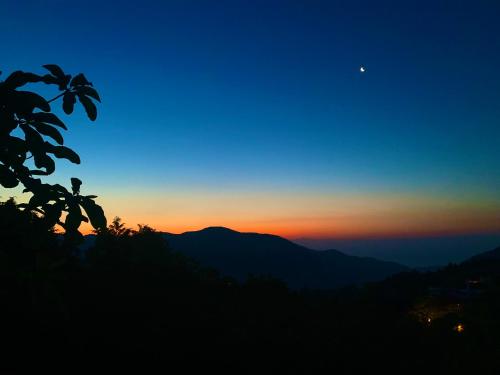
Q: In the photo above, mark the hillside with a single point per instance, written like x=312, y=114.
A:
x=415, y=252
x=487, y=255
x=240, y=254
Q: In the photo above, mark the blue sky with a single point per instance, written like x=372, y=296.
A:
x=266, y=97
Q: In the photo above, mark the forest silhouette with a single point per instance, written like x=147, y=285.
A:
x=131, y=300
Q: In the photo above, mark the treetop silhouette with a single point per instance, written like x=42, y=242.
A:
x=26, y=121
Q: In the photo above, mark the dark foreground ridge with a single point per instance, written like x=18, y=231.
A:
x=134, y=301
x=238, y=255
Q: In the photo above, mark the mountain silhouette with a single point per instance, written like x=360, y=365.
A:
x=487, y=255
x=238, y=255
x=416, y=252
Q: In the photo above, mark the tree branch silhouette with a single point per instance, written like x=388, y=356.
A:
x=32, y=114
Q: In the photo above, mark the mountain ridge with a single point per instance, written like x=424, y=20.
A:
x=487, y=255
x=239, y=254
x=412, y=251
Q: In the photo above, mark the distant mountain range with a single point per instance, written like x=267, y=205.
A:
x=238, y=255
x=487, y=255
x=416, y=252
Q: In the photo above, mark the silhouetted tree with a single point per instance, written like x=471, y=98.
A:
x=26, y=120
x=118, y=229
x=24, y=238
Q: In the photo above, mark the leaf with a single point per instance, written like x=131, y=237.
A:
x=69, y=101
x=45, y=161
x=38, y=200
x=36, y=172
x=20, y=78
x=34, y=141
x=42, y=195
x=60, y=189
x=34, y=184
x=7, y=178
x=89, y=106
x=8, y=122
x=80, y=80
x=64, y=82
x=16, y=145
x=89, y=91
x=49, y=79
x=49, y=131
x=53, y=213
x=75, y=185
x=29, y=101
x=55, y=70
x=49, y=118
x=63, y=152
x=94, y=212
x=74, y=218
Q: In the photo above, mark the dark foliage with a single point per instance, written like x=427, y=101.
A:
x=26, y=121
x=134, y=302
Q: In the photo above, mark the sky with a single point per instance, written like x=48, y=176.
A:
x=254, y=114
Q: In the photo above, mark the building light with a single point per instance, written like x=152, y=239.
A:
x=459, y=328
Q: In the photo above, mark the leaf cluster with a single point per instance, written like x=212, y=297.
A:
x=30, y=130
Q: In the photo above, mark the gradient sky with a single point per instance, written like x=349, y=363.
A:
x=254, y=115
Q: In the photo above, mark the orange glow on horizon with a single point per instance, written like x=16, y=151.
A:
x=319, y=216
x=356, y=227
x=296, y=234
x=306, y=214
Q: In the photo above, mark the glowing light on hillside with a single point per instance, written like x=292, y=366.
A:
x=459, y=328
